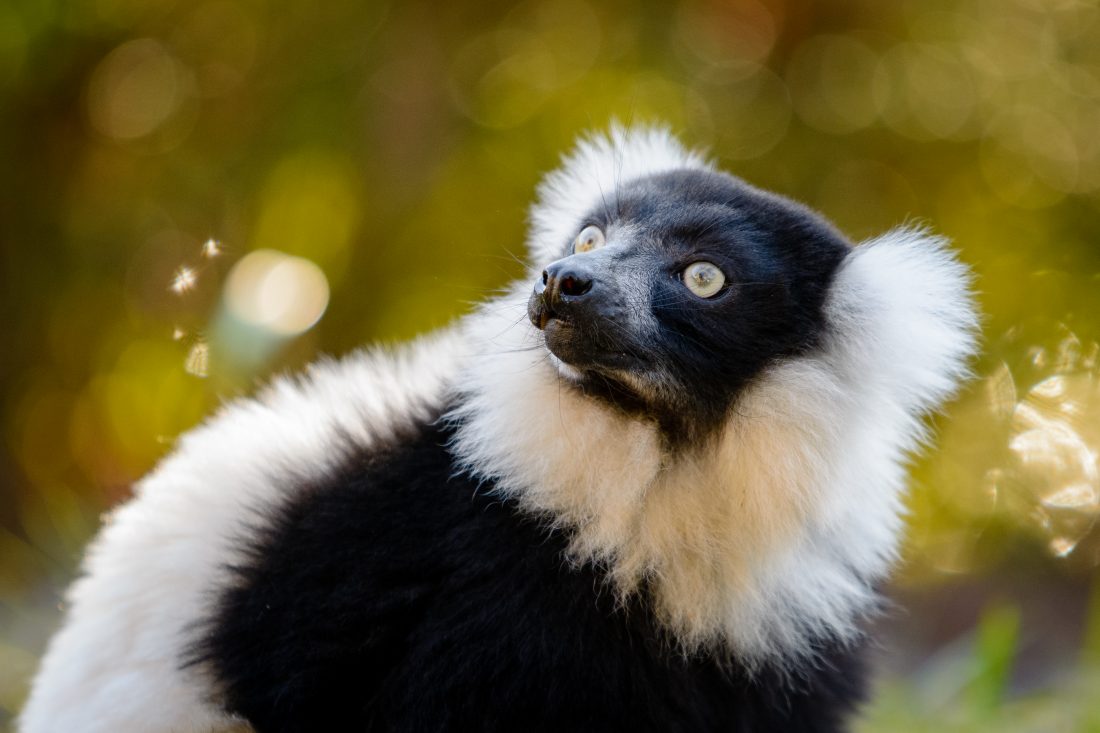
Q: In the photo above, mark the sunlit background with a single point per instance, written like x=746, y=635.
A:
x=195, y=195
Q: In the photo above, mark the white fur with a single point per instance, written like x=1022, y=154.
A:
x=771, y=535
x=153, y=571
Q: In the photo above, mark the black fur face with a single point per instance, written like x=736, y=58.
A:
x=622, y=315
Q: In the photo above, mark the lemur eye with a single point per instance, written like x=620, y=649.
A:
x=589, y=239
x=704, y=279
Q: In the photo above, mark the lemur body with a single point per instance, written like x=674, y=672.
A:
x=650, y=488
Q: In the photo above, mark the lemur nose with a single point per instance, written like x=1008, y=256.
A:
x=565, y=280
x=567, y=289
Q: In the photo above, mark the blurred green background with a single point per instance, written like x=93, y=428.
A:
x=197, y=194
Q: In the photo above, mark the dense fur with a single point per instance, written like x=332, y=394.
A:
x=438, y=607
x=157, y=567
x=684, y=538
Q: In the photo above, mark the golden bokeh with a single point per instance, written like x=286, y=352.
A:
x=276, y=292
x=198, y=195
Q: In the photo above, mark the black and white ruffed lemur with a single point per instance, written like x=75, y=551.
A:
x=651, y=488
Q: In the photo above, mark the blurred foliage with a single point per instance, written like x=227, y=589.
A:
x=968, y=688
x=198, y=194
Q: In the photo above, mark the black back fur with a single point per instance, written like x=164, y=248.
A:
x=396, y=596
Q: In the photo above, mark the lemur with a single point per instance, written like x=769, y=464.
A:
x=651, y=487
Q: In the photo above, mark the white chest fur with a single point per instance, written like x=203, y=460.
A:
x=775, y=532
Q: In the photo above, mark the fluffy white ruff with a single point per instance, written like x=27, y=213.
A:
x=776, y=534
x=156, y=567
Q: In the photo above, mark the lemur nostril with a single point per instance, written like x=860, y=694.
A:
x=564, y=279
x=574, y=286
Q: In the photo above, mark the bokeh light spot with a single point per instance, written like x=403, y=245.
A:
x=732, y=37
x=198, y=359
x=502, y=78
x=925, y=91
x=1062, y=546
x=831, y=80
x=135, y=89
x=750, y=115
x=184, y=280
x=276, y=292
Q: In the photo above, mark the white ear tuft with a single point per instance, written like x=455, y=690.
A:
x=902, y=326
x=902, y=303
x=590, y=177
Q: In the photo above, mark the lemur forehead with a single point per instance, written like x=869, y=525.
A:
x=682, y=204
x=668, y=192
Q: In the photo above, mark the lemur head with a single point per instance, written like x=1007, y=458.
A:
x=678, y=288
x=713, y=392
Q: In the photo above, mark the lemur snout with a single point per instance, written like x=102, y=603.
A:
x=564, y=285
x=564, y=279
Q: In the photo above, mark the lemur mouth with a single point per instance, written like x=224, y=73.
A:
x=574, y=346
x=564, y=342
x=541, y=314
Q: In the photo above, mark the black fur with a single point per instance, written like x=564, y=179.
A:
x=779, y=259
x=397, y=596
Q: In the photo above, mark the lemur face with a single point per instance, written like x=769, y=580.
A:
x=679, y=289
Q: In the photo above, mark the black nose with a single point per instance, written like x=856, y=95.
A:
x=564, y=282
x=565, y=290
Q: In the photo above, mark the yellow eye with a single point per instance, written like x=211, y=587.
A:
x=704, y=279
x=589, y=239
